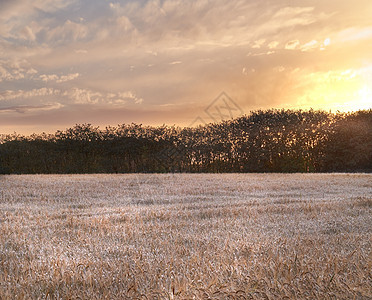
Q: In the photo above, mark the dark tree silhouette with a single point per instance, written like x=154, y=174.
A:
x=263, y=141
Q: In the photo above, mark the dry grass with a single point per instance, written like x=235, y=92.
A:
x=186, y=236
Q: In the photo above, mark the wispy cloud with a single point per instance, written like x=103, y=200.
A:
x=86, y=96
x=291, y=45
x=312, y=45
x=28, y=108
x=73, y=96
x=11, y=94
x=15, y=15
x=57, y=78
x=67, y=33
x=15, y=69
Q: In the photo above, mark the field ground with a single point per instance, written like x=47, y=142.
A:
x=186, y=236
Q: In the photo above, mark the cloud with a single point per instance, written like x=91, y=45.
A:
x=181, y=26
x=115, y=6
x=246, y=72
x=68, y=77
x=59, y=79
x=11, y=94
x=86, y=96
x=27, y=33
x=290, y=12
x=81, y=51
x=68, y=32
x=123, y=96
x=177, y=23
x=29, y=108
x=47, y=78
x=291, y=45
x=15, y=69
x=15, y=15
x=312, y=45
x=273, y=45
x=353, y=34
x=258, y=44
x=24, y=7
x=74, y=96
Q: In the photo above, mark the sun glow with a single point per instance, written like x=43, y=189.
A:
x=361, y=99
x=347, y=90
x=364, y=99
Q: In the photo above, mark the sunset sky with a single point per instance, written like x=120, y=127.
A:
x=64, y=62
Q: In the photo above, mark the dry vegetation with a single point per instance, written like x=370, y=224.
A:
x=186, y=236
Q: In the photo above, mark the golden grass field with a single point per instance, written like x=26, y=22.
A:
x=186, y=236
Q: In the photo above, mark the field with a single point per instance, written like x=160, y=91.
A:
x=186, y=236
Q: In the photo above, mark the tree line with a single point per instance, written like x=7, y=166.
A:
x=263, y=141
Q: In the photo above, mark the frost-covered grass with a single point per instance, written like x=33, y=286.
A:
x=185, y=236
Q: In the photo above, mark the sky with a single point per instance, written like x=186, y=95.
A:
x=178, y=62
